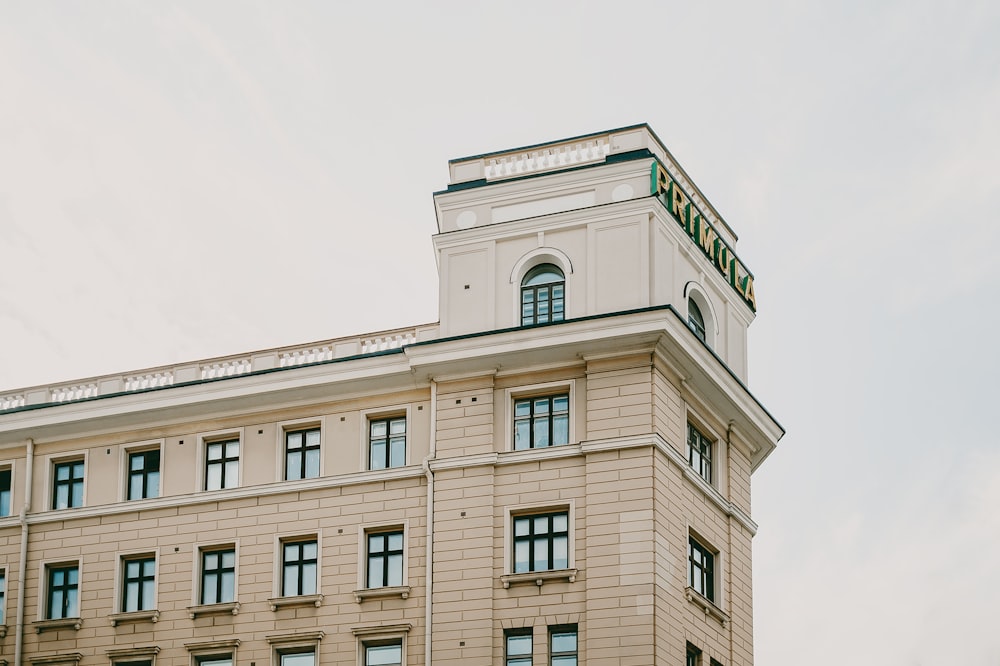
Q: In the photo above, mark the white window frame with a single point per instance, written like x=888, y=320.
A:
x=697, y=293
x=123, y=468
x=203, y=651
x=206, y=438
x=717, y=567
x=527, y=262
x=277, y=574
x=519, y=510
x=43, y=586
x=362, y=591
x=119, y=656
x=538, y=391
x=378, y=414
x=720, y=461
x=10, y=464
x=54, y=459
x=3, y=590
x=295, y=643
x=119, y=585
x=370, y=636
x=285, y=427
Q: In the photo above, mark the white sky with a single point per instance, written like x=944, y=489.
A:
x=185, y=180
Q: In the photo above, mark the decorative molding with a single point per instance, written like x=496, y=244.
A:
x=127, y=654
x=232, y=608
x=66, y=658
x=707, y=606
x=134, y=616
x=401, y=591
x=378, y=629
x=209, y=646
x=534, y=455
x=461, y=462
x=300, y=600
x=300, y=637
x=73, y=623
x=539, y=578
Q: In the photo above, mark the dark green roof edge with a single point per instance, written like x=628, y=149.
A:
x=546, y=143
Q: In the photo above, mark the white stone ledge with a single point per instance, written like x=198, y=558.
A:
x=539, y=578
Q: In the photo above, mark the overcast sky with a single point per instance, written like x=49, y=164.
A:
x=192, y=179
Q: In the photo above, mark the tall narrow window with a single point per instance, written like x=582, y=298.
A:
x=302, y=454
x=222, y=464
x=298, y=568
x=3, y=595
x=63, y=592
x=562, y=645
x=701, y=569
x=543, y=295
x=385, y=559
x=143, y=474
x=696, y=322
x=139, y=582
x=5, y=476
x=218, y=576
x=541, y=421
x=541, y=542
x=387, y=443
x=693, y=655
x=67, y=491
x=700, y=453
x=517, y=647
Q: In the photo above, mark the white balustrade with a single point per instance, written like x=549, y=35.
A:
x=12, y=401
x=149, y=380
x=75, y=392
x=544, y=159
x=308, y=355
x=386, y=341
x=238, y=366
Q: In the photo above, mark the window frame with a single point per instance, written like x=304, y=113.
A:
x=564, y=654
x=509, y=577
x=518, y=659
x=122, y=580
x=541, y=267
x=402, y=590
x=216, y=436
x=204, y=652
x=198, y=591
x=297, y=642
x=383, y=642
x=52, y=461
x=385, y=556
x=511, y=395
x=279, y=578
x=692, y=655
x=284, y=428
x=3, y=596
x=367, y=416
x=708, y=578
x=126, y=472
x=48, y=569
x=9, y=467
x=705, y=468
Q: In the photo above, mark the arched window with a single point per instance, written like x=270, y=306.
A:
x=696, y=322
x=543, y=295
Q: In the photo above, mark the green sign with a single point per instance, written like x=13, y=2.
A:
x=704, y=235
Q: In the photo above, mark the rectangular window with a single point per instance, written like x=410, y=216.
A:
x=699, y=453
x=385, y=559
x=302, y=454
x=562, y=645
x=384, y=654
x=218, y=576
x=63, y=594
x=713, y=662
x=701, y=569
x=215, y=660
x=3, y=595
x=693, y=655
x=298, y=659
x=67, y=490
x=138, y=583
x=298, y=567
x=5, y=477
x=222, y=464
x=143, y=474
x=541, y=421
x=541, y=542
x=517, y=647
x=387, y=442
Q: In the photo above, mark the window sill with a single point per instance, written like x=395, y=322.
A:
x=539, y=578
x=134, y=616
x=232, y=608
x=301, y=600
x=62, y=623
x=706, y=605
x=401, y=591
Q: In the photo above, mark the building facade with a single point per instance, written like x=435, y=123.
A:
x=556, y=472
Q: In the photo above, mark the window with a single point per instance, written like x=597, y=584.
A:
x=713, y=662
x=5, y=475
x=541, y=421
x=693, y=655
x=218, y=576
x=385, y=559
x=302, y=454
x=143, y=474
x=387, y=442
x=215, y=660
x=63, y=593
x=543, y=295
x=298, y=658
x=696, y=322
x=541, y=542
x=3, y=596
x=298, y=567
x=701, y=569
x=562, y=645
x=699, y=453
x=67, y=491
x=517, y=647
x=384, y=654
x=222, y=464
x=138, y=583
